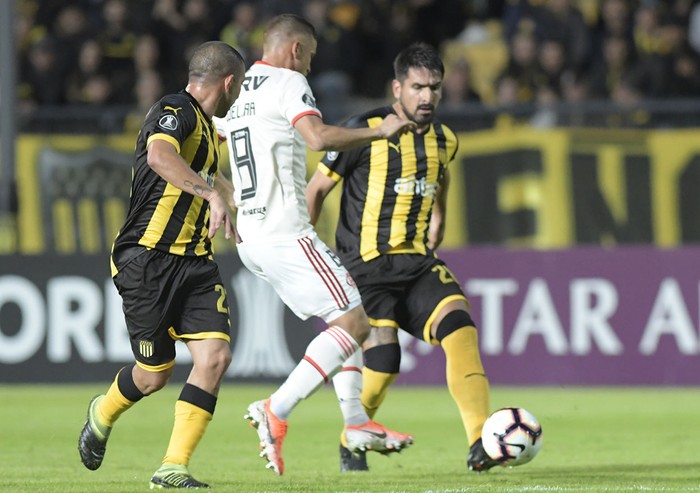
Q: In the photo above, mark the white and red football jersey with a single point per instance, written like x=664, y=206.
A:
x=268, y=156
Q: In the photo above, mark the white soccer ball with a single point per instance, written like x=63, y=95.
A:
x=512, y=436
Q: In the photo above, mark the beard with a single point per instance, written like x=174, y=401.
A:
x=420, y=119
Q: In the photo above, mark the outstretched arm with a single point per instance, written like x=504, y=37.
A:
x=321, y=137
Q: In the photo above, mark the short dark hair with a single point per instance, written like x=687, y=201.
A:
x=216, y=59
x=289, y=24
x=415, y=56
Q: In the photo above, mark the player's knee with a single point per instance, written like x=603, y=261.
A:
x=214, y=362
x=363, y=330
x=155, y=384
x=380, y=336
x=451, y=322
x=385, y=358
x=220, y=363
x=149, y=382
x=355, y=323
x=224, y=361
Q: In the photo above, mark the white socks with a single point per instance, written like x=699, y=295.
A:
x=348, y=387
x=324, y=357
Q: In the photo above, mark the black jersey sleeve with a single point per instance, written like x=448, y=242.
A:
x=173, y=120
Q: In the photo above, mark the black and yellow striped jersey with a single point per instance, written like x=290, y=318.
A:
x=389, y=189
x=161, y=216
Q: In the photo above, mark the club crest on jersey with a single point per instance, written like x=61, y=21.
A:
x=168, y=122
x=331, y=156
x=308, y=100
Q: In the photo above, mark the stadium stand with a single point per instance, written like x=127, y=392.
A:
x=105, y=55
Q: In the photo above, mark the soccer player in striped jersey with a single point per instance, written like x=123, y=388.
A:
x=392, y=219
x=268, y=129
x=163, y=268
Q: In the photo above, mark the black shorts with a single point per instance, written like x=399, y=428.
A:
x=169, y=297
x=406, y=291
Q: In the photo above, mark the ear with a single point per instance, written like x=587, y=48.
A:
x=297, y=50
x=396, y=88
x=228, y=80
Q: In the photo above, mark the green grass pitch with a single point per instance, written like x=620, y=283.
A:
x=595, y=440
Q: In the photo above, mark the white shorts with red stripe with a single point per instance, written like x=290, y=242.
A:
x=306, y=274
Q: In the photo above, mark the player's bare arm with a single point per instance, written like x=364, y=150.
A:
x=436, y=229
x=318, y=188
x=321, y=137
x=164, y=159
x=224, y=186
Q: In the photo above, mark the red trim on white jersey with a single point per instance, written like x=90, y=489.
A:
x=304, y=113
x=324, y=272
x=351, y=368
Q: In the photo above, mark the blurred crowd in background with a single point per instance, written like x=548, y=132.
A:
x=128, y=53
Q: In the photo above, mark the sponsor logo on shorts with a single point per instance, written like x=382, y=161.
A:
x=334, y=257
x=255, y=211
x=146, y=348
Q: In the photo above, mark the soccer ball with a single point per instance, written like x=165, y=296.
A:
x=512, y=436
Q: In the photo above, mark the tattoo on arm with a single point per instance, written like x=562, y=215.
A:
x=198, y=189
